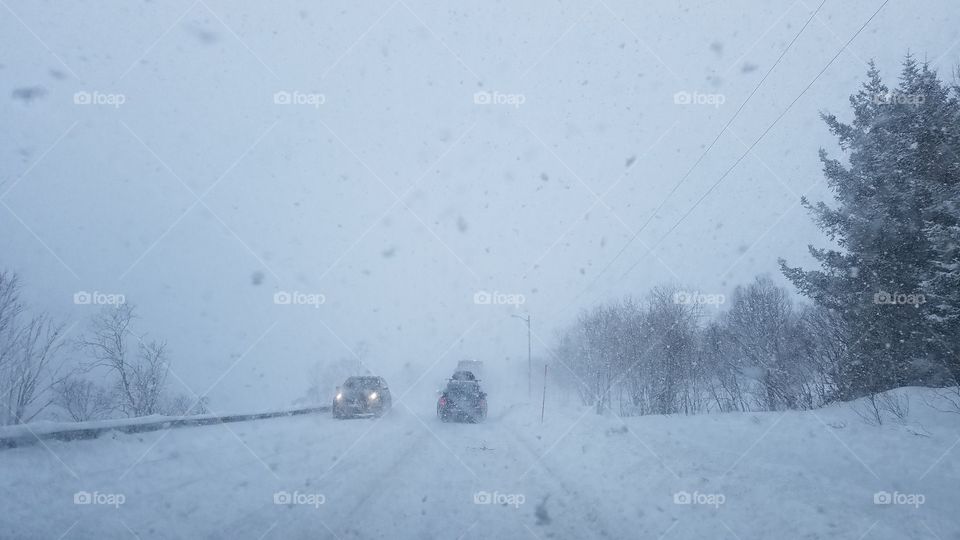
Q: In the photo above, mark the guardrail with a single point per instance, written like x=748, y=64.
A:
x=24, y=435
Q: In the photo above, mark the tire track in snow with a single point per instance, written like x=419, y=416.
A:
x=577, y=508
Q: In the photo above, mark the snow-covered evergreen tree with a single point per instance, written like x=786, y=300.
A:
x=939, y=152
x=888, y=251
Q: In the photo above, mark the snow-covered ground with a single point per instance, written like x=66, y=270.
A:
x=812, y=474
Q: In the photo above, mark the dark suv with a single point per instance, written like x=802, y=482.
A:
x=462, y=401
x=361, y=396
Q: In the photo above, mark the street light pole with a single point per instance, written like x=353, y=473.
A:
x=529, y=360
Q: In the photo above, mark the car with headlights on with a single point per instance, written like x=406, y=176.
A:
x=362, y=396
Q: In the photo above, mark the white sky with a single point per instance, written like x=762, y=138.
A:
x=399, y=197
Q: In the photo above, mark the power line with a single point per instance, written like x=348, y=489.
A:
x=702, y=155
x=762, y=135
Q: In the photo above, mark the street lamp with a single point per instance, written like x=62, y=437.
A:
x=526, y=319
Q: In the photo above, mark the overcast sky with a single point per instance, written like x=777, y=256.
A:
x=393, y=159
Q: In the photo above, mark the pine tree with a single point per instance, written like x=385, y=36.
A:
x=940, y=145
x=887, y=247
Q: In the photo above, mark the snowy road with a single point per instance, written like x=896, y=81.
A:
x=408, y=475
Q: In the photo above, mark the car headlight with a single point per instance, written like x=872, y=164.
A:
x=339, y=396
x=373, y=396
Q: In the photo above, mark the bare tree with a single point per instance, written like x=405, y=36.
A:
x=760, y=322
x=10, y=310
x=869, y=409
x=34, y=369
x=896, y=403
x=148, y=377
x=946, y=400
x=140, y=379
x=185, y=405
x=673, y=332
x=823, y=349
x=723, y=368
x=83, y=399
x=29, y=359
x=638, y=357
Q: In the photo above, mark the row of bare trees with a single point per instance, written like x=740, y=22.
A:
x=108, y=371
x=667, y=353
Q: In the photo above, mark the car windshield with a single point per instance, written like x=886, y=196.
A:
x=471, y=269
